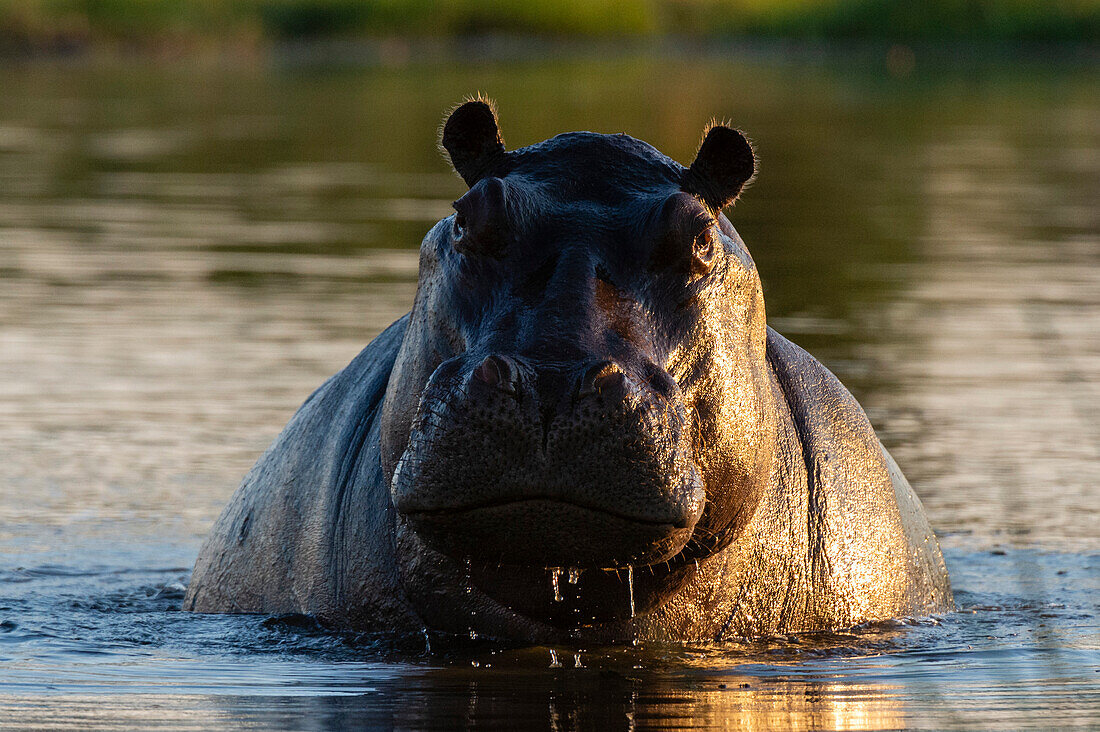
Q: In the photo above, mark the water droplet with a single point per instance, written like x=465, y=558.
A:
x=574, y=575
x=469, y=592
x=555, y=582
x=577, y=661
x=630, y=587
x=475, y=664
x=427, y=643
x=554, y=662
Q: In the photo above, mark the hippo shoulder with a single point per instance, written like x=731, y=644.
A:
x=308, y=530
x=870, y=550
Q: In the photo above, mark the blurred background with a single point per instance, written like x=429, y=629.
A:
x=208, y=207
x=154, y=24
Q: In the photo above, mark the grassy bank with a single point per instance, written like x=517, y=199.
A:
x=76, y=24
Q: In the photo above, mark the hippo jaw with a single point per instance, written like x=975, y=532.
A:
x=601, y=489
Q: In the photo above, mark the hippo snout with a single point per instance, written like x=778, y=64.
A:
x=584, y=464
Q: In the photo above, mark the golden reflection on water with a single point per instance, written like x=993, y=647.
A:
x=791, y=705
x=746, y=703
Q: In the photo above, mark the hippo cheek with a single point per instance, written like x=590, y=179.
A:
x=548, y=532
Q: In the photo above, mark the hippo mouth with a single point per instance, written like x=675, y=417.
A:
x=551, y=531
x=680, y=522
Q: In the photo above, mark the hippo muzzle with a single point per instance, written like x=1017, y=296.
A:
x=515, y=462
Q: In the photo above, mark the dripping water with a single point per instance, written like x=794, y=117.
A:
x=574, y=575
x=554, y=662
x=577, y=661
x=555, y=582
x=630, y=587
x=469, y=592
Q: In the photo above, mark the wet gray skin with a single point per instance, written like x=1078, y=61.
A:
x=583, y=430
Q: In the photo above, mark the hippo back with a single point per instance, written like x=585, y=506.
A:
x=310, y=528
x=873, y=552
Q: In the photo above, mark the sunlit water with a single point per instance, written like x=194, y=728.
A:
x=185, y=253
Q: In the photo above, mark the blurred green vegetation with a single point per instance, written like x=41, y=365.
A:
x=79, y=23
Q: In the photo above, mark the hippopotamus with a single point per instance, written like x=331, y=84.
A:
x=583, y=430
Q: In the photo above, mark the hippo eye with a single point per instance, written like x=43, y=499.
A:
x=690, y=241
x=705, y=250
x=480, y=223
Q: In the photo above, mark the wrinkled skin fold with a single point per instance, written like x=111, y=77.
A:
x=583, y=430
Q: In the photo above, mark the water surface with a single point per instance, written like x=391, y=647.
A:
x=186, y=252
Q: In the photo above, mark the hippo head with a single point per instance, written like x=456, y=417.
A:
x=582, y=383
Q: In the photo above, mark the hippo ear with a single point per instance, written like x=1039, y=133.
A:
x=722, y=166
x=472, y=139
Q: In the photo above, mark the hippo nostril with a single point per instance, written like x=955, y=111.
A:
x=499, y=372
x=600, y=377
